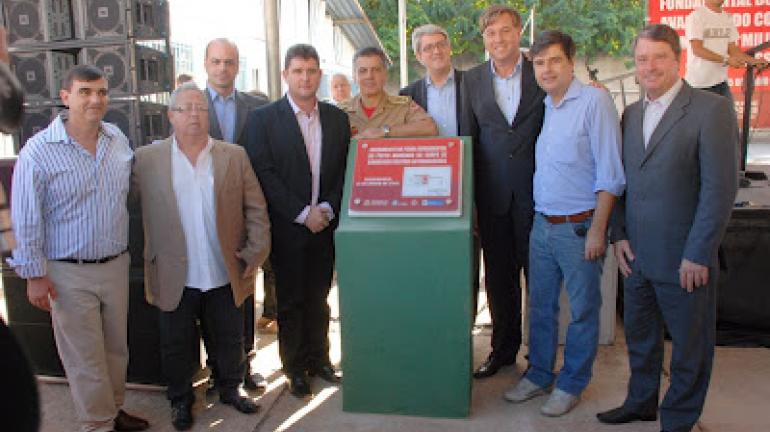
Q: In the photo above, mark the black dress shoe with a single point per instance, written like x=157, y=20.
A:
x=125, y=422
x=240, y=403
x=181, y=416
x=326, y=373
x=622, y=415
x=492, y=364
x=298, y=385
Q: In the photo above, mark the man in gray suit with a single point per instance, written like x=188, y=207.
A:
x=228, y=109
x=681, y=173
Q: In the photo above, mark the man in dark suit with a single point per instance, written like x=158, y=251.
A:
x=439, y=93
x=502, y=109
x=228, y=109
x=681, y=173
x=298, y=147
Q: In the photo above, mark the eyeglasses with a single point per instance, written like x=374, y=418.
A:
x=441, y=45
x=189, y=109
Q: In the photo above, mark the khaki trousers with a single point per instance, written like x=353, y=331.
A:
x=90, y=327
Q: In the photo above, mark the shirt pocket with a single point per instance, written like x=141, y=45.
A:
x=570, y=148
x=117, y=176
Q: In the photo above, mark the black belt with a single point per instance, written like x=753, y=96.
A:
x=91, y=261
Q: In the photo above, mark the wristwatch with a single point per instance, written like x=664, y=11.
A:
x=725, y=60
x=385, y=130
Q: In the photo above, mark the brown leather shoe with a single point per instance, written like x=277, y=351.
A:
x=125, y=422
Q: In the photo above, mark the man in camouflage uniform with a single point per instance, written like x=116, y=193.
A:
x=375, y=114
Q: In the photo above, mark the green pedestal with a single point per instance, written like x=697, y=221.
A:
x=405, y=290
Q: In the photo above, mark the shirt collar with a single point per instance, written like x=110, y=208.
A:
x=667, y=97
x=297, y=109
x=450, y=78
x=59, y=132
x=573, y=92
x=206, y=150
x=516, y=69
x=214, y=95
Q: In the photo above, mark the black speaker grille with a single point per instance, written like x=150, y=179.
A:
x=24, y=21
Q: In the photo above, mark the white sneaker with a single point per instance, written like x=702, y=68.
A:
x=559, y=403
x=524, y=390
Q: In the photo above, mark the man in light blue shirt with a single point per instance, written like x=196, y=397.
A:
x=578, y=176
x=438, y=92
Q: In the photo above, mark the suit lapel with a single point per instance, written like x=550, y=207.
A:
x=673, y=114
x=327, y=133
x=220, y=159
x=241, y=111
x=295, y=138
x=164, y=169
x=214, y=129
x=488, y=83
x=422, y=93
x=458, y=96
x=529, y=89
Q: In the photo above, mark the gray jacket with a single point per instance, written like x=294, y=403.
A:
x=680, y=189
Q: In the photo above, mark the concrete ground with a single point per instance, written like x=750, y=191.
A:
x=737, y=401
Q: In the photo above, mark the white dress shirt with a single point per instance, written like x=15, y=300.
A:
x=654, y=110
x=194, y=190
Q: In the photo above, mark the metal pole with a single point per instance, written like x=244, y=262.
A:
x=402, y=39
x=273, y=50
x=532, y=26
x=748, y=95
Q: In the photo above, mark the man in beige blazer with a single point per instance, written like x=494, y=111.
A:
x=206, y=230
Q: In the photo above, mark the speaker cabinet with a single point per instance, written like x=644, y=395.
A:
x=104, y=19
x=33, y=121
x=150, y=19
x=33, y=328
x=41, y=72
x=141, y=122
x=147, y=19
x=38, y=21
x=152, y=74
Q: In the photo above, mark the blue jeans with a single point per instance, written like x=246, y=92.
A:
x=556, y=254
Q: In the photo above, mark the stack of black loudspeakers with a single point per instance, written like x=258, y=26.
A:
x=129, y=41
x=121, y=37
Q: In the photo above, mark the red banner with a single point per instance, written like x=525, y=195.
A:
x=407, y=177
x=752, y=18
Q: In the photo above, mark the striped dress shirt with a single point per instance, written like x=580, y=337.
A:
x=67, y=203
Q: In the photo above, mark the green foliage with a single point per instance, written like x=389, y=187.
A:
x=599, y=27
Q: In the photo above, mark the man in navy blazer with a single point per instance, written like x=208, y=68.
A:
x=681, y=174
x=298, y=147
x=228, y=109
x=502, y=109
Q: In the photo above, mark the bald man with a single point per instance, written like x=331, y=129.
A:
x=228, y=109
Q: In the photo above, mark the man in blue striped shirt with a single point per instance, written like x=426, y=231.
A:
x=578, y=176
x=69, y=214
